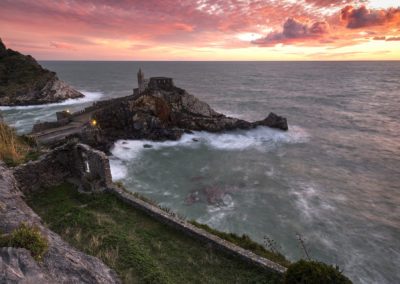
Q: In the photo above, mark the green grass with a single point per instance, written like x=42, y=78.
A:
x=27, y=237
x=246, y=242
x=139, y=248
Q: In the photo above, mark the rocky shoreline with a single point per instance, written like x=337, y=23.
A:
x=161, y=112
x=23, y=81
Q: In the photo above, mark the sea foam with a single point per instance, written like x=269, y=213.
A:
x=260, y=138
x=89, y=97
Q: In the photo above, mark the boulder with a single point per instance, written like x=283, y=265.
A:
x=274, y=121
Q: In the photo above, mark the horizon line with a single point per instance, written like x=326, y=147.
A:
x=96, y=60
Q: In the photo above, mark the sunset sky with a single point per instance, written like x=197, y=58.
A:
x=203, y=29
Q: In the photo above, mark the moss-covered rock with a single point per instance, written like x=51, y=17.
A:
x=24, y=82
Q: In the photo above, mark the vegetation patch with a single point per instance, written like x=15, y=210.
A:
x=138, y=247
x=304, y=271
x=15, y=149
x=28, y=237
x=21, y=74
x=246, y=242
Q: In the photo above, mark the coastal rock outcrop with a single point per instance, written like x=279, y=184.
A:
x=160, y=114
x=157, y=110
x=61, y=263
x=24, y=82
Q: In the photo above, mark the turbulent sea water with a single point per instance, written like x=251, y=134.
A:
x=334, y=177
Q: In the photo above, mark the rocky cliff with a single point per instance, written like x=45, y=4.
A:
x=61, y=263
x=158, y=114
x=24, y=82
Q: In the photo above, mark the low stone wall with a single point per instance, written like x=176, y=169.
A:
x=196, y=232
x=42, y=126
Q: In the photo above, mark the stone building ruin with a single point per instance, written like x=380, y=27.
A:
x=154, y=83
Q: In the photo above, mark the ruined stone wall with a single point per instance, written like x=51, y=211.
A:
x=51, y=169
x=92, y=167
x=72, y=161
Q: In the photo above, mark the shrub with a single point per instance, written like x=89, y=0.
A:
x=314, y=272
x=28, y=237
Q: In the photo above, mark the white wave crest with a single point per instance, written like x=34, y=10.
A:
x=118, y=170
x=89, y=97
x=261, y=138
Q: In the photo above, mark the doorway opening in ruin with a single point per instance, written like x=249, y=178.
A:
x=86, y=165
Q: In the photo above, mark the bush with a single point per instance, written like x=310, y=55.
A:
x=314, y=272
x=27, y=237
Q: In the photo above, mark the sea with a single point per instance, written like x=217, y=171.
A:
x=333, y=179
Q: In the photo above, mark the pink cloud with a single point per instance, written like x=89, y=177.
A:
x=62, y=45
x=96, y=26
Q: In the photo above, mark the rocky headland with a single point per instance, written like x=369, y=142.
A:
x=24, y=82
x=161, y=111
x=157, y=110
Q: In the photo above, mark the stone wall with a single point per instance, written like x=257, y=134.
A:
x=78, y=162
x=51, y=169
x=92, y=167
x=197, y=233
x=42, y=126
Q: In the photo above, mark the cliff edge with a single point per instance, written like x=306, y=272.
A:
x=24, y=82
x=61, y=263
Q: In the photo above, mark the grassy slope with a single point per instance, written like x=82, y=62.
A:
x=139, y=248
x=15, y=149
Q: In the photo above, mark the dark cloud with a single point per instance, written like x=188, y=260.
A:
x=392, y=38
x=295, y=30
x=379, y=38
x=363, y=17
x=329, y=3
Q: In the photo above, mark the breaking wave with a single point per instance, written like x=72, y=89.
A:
x=260, y=138
x=89, y=97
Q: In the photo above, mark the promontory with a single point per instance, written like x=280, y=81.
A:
x=23, y=81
